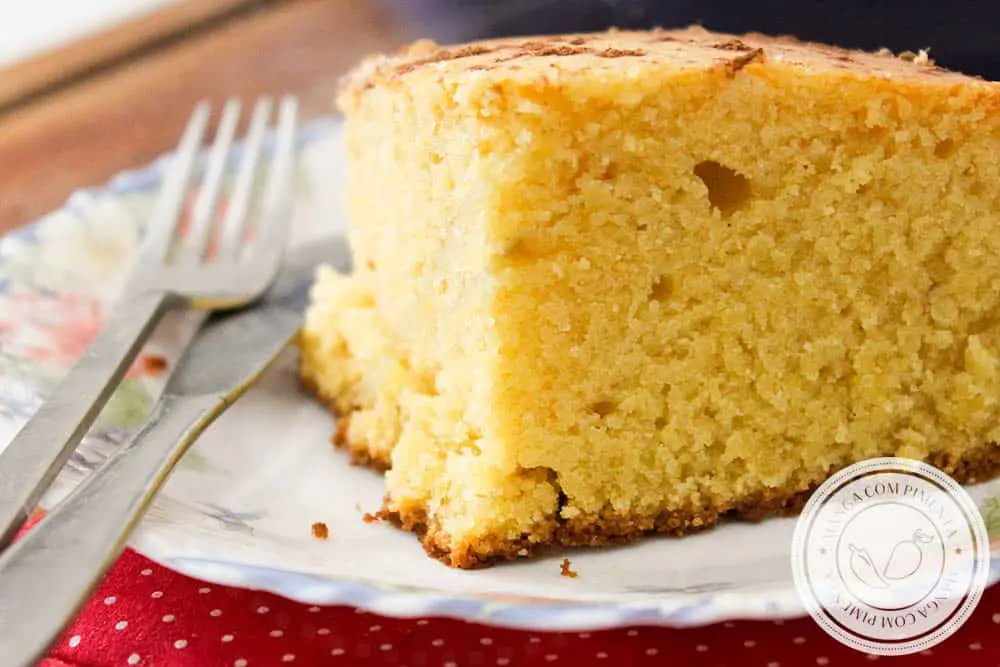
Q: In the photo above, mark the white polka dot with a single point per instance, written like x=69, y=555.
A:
x=485, y=641
x=385, y=647
x=822, y=660
x=168, y=618
x=601, y=655
x=450, y=664
x=996, y=618
x=134, y=659
x=779, y=622
x=584, y=635
x=632, y=633
x=651, y=651
x=927, y=651
x=773, y=664
x=111, y=599
x=799, y=640
x=204, y=590
x=534, y=640
x=276, y=633
x=74, y=641
x=240, y=662
x=975, y=646
x=437, y=642
x=215, y=612
x=728, y=625
x=503, y=661
x=227, y=638
x=360, y=611
x=288, y=657
x=314, y=609
x=337, y=651
x=146, y=572
x=156, y=595
x=551, y=657
x=423, y=621
x=323, y=631
x=121, y=625
x=180, y=643
x=262, y=610
x=700, y=648
x=749, y=643
x=375, y=628
x=872, y=657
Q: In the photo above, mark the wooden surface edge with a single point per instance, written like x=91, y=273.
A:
x=29, y=78
x=121, y=119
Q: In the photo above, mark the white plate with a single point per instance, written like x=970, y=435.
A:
x=239, y=509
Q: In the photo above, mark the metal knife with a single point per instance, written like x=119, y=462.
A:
x=48, y=574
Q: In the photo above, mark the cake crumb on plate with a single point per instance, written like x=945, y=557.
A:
x=320, y=530
x=154, y=364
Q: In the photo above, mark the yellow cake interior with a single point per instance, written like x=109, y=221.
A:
x=631, y=293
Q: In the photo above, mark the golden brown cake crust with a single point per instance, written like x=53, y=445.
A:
x=360, y=454
x=689, y=48
x=612, y=529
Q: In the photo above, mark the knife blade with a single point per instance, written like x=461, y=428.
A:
x=46, y=577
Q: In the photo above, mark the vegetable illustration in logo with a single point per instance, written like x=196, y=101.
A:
x=904, y=561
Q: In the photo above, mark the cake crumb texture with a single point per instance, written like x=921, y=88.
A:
x=623, y=283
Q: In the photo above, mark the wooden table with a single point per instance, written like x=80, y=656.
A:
x=76, y=117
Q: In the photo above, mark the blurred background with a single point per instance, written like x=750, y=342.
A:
x=961, y=34
x=91, y=87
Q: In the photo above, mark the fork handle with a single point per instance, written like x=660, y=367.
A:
x=38, y=452
x=48, y=574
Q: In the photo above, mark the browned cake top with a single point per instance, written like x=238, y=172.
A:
x=670, y=51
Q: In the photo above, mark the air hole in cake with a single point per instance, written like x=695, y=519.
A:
x=542, y=474
x=603, y=408
x=660, y=423
x=944, y=149
x=661, y=289
x=728, y=190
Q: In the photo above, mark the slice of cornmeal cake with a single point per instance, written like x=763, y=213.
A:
x=616, y=283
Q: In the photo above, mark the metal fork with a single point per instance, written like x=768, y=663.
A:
x=172, y=272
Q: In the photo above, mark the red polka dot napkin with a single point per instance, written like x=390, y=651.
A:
x=144, y=614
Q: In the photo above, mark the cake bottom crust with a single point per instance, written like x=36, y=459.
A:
x=611, y=528
x=359, y=453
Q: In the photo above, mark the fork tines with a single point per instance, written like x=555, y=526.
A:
x=221, y=231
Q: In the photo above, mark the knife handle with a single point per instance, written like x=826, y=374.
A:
x=31, y=461
x=47, y=575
